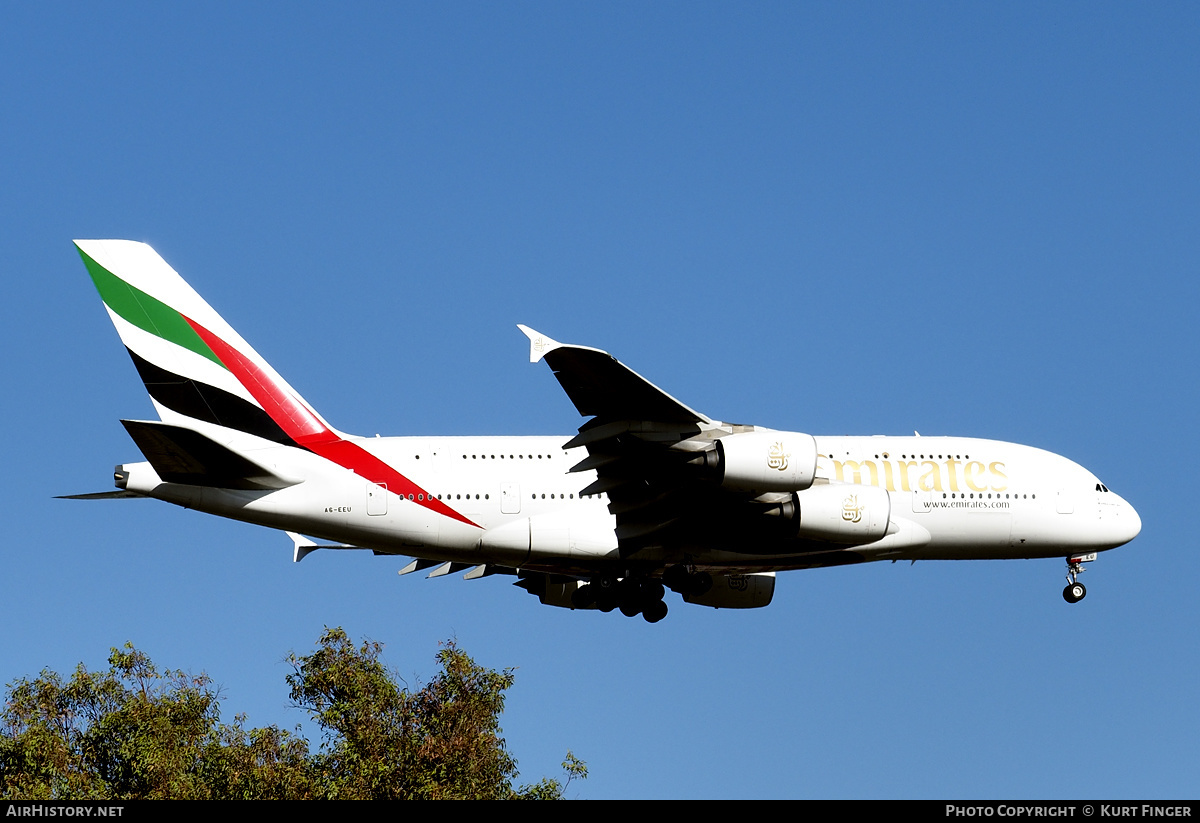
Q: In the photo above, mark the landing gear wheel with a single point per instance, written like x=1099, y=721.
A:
x=606, y=593
x=630, y=597
x=1074, y=592
x=584, y=597
x=655, y=612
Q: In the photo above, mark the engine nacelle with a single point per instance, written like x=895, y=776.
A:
x=845, y=513
x=737, y=591
x=766, y=461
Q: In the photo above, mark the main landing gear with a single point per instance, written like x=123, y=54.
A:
x=1075, y=591
x=633, y=596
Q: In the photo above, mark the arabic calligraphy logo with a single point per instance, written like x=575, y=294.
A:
x=852, y=512
x=777, y=458
x=539, y=344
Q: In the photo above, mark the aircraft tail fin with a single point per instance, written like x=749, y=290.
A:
x=194, y=365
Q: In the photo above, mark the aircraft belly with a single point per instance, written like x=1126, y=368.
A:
x=289, y=509
x=1048, y=532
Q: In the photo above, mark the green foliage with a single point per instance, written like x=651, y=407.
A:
x=134, y=732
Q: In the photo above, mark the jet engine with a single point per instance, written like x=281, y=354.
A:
x=845, y=513
x=737, y=591
x=764, y=461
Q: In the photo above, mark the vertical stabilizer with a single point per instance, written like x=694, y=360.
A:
x=198, y=369
x=194, y=365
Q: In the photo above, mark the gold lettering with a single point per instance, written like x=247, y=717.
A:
x=973, y=468
x=777, y=458
x=887, y=476
x=901, y=475
x=997, y=471
x=952, y=474
x=856, y=470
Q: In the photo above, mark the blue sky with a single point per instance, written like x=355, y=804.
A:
x=964, y=219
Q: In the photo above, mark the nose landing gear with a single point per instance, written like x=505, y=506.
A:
x=1076, y=591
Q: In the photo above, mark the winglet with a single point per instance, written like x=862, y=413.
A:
x=539, y=344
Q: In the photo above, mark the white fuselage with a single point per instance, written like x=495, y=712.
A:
x=950, y=498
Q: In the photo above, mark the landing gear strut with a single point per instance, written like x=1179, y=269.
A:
x=1075, y=591
x=687, y=581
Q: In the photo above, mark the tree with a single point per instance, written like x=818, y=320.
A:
x=440, y=742
x=135, y=732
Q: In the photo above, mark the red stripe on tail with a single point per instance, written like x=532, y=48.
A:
x=300, y=423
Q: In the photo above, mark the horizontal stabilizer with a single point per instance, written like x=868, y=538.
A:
x=304, y=546
x=185, y=456
x=114, y=495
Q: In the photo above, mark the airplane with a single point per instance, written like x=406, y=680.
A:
x=648, y=495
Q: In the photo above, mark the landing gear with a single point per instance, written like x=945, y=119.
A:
x=633, y=596
x=642, y=597
x=1076, y=591
x=654, y=612
x=607, y=593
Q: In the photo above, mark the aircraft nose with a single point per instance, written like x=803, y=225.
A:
x=1135, y=522
x=1125, y=525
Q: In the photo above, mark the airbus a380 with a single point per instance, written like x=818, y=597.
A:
x=649, y=495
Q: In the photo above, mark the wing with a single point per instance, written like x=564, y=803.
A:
x=649, y=450
x=602, y=387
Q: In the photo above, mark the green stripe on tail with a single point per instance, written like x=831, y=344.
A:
x=144, y=311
